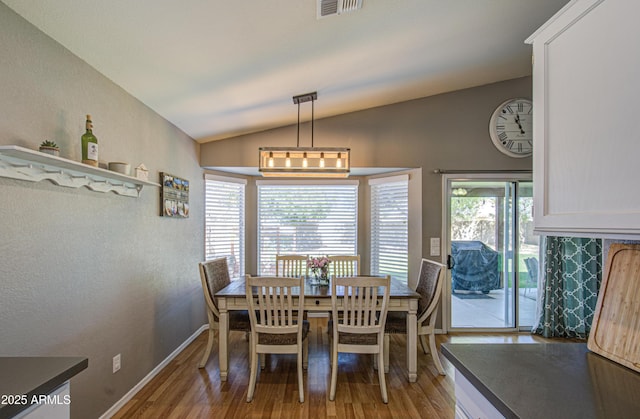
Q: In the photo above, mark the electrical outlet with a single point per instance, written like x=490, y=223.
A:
x=116, y=363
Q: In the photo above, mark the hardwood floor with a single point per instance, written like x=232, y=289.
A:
x=181, y=390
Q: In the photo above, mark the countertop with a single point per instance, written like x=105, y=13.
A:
x=34, y=376
x=548, y=380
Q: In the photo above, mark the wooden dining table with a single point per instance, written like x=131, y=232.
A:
x=318, y=299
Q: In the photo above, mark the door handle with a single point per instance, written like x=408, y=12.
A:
x=450, y=262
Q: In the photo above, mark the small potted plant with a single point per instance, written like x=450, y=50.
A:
x=50, y=147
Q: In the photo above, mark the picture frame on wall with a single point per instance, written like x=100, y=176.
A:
x=174, y=196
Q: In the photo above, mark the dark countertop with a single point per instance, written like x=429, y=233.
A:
x=33, y=376
x=548, y=380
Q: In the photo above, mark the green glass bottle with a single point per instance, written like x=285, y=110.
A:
x=89, y=145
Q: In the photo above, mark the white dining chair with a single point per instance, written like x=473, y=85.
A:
x=358, y=323
x=345, y=265
x=276, y=323
x=214, y=275
x=429, y=287
x=292, y=265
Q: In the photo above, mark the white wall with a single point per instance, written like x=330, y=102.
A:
x=84, y=273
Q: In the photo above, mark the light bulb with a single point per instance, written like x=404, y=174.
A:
x=322, y=160
x=270, y=159
x=339, y=161
x=304, y=161
x=287, y=162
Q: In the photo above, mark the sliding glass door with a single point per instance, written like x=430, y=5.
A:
x=492, y=253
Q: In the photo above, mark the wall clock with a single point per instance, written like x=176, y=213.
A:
x=510, y=127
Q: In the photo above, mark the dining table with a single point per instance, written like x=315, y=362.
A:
x=317, y=298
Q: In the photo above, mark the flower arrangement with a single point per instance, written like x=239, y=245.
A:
x=320, y=268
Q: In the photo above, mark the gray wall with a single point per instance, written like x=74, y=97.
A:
x=448, y=131
x=85, y=273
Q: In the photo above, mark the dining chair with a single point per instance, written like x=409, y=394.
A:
x=345, y=265
x=214, y=275
x=358, y=323
x=292, y=265
x=276, y=323
x=430, y=288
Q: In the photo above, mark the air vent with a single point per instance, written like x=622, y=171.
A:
x=328, y=8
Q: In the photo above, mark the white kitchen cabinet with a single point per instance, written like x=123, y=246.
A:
x=586, y=95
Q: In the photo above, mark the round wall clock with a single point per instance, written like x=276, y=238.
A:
x=510, y=127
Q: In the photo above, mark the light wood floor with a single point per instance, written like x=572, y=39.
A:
x=181, y=390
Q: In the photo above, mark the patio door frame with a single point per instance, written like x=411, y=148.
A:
x=447, y=179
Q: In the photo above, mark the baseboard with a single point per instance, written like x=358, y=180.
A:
x=131, y=393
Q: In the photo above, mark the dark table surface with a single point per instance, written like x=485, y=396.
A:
x=237, y=289
x=548, y=380
x=33, y=376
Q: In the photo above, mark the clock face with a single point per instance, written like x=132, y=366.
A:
x=510, y=127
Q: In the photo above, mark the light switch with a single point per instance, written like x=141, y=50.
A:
x=435, y=246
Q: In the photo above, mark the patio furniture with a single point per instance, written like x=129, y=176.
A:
x=475, y=267
x=532, y=269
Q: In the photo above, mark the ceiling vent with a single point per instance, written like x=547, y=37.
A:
x=328, y=8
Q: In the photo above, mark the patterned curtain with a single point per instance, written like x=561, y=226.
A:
x=572, y=272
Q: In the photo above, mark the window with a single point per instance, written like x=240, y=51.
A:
x=389, y=226
x=306, y=218
x=224, y=221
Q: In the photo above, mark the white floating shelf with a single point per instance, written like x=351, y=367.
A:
x=22, y=163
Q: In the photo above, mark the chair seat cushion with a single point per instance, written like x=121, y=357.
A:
x=396, y=322
x=239, y=320
x=355, y=338
x=283, y=338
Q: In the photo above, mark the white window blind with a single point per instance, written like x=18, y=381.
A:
x=389, y=226
x=307, y=219
x=224, y=222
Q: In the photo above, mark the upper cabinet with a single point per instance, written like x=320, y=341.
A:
x=586, y=94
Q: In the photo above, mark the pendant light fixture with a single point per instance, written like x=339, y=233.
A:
x=304, y=161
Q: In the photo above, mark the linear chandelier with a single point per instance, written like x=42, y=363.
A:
x=304, y=161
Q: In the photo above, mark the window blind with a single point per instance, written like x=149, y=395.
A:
x=389, y=227
x=225, y=222
x=307, y=219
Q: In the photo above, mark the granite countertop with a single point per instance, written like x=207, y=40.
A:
x=33, y=376
x=548, y=380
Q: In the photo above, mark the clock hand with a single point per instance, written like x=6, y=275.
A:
x=517, y=119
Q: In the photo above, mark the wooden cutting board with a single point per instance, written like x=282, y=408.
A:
x=615, y=332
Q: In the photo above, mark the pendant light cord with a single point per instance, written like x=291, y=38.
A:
x=298, y=141
x=312, y=118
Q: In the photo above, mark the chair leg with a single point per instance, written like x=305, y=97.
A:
x=423, y=343
x=386, y=352
x=300, y=381
x=207, y=352
x=381, y=378
x=263, y=361
x=254, y=373
x=434, y=354
x=334, y=371
x=305, y=354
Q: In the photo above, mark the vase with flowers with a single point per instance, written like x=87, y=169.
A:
x=320, y=269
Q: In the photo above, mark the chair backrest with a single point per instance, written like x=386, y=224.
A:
x=362, y=309
x=214, y=275
x=273, y=307
x=345, y=265
x=292, y=265
x=429, y=287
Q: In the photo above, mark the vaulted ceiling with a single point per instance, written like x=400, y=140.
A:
x=218, y=69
